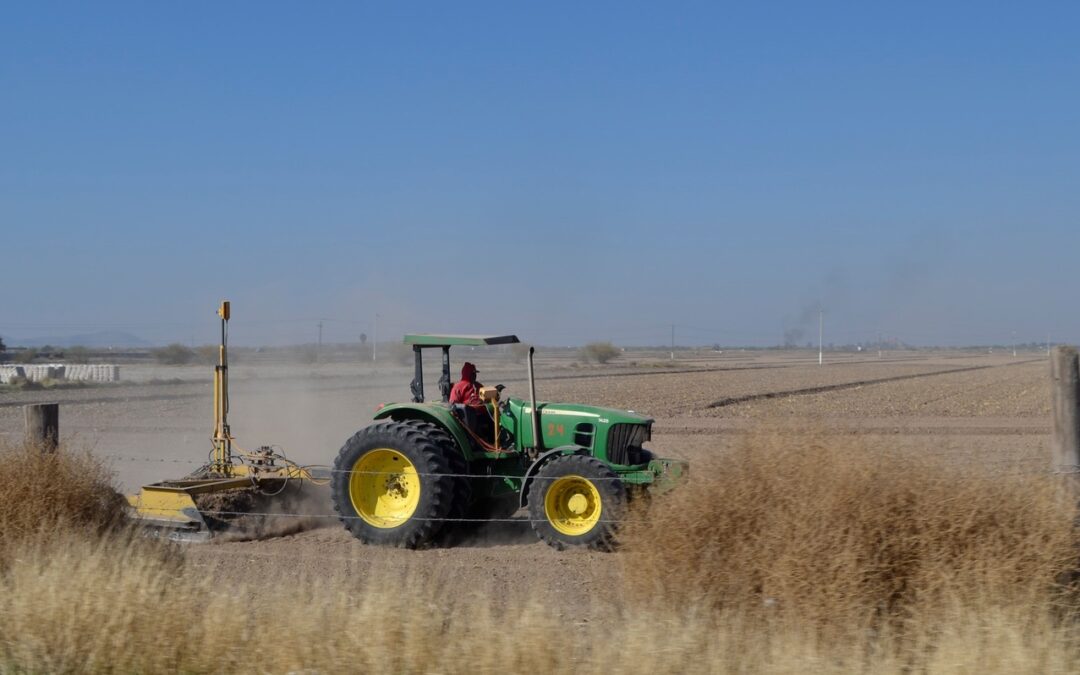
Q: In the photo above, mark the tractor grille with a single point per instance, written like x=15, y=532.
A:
x=624, y=442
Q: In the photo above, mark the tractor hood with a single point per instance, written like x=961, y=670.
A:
x=565, y=424
x=609, y=434
x=588, y=413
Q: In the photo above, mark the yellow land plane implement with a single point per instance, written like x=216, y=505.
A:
x=171, y=508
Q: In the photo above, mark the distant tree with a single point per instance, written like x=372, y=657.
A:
x=25, y=356
x=77, y=354
x=209, y=354
x=3, y=347
x=600, y=352
x=175, y=354
x=363, y=338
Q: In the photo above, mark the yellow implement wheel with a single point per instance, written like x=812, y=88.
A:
x=384, y=488
x=573, y=505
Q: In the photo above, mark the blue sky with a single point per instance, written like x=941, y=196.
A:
x=567, y=171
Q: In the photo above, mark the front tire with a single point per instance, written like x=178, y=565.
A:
x=390, y=484
x=576, y=500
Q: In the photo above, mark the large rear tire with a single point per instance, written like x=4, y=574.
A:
x=576, y=500
x=391, y=484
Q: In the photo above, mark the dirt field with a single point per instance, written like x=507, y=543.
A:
x=975, y=407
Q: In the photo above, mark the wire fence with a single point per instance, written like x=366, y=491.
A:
x=1019, y=466
x=340, y=517
x=323, y=469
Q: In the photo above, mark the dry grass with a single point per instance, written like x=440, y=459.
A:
x=849, y=541
x=75, y=605
x=46, y=490
x=779, y=559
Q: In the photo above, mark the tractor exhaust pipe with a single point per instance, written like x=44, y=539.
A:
x=537, y=441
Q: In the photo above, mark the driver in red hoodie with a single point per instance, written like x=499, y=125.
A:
x=467, y=390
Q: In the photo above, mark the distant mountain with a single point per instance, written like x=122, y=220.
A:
x=105, y=338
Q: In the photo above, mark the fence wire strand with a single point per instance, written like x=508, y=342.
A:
x=335, y=516
x=324, y=469
x=1019, y=463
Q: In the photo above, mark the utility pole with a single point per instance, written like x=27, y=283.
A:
x=319, y=350
x=672, y=342
x=375, y=341
x=1014, y=343
x=820, y=335
x=879, y=344
x=1065, y=441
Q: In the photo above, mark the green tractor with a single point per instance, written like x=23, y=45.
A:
x=423, y=469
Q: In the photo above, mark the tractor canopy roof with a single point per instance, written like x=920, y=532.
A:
x=432, y=340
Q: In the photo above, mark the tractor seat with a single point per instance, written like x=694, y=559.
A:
x=478, y=423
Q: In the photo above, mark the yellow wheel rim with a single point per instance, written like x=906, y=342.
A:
x=384, y=488
x=572, y=505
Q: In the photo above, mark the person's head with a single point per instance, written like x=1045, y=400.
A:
x=468, y=372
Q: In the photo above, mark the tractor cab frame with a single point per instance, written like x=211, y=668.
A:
x=422, y=341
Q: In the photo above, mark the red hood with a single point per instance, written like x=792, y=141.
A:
x=468, y=372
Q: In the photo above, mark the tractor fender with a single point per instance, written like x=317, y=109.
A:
x=439, y=416
x=543, y=459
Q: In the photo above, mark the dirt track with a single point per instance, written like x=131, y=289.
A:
x=987, y=407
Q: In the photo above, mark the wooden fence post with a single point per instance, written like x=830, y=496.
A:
x=43, y=424
x=1065, y=376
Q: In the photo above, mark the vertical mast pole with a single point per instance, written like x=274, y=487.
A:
x=820, y=334
x=222, y=442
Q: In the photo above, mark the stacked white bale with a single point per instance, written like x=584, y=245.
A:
x=50, y=371
x=104, y=373
x=38, y=373
x=9, y=373
x=93, y=372
x=56, y=371
x=96, y=373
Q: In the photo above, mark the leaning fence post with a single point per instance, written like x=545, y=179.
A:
x=43, y=424
x=1065, y=376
